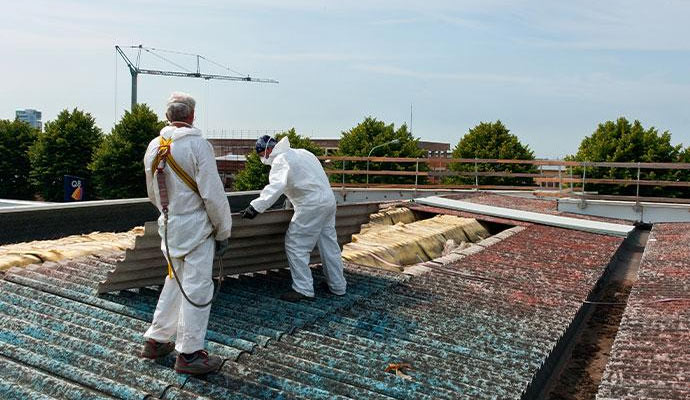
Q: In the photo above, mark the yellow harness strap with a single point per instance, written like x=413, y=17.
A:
x=164, y=154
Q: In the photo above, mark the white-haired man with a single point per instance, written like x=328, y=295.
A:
x=198, y=219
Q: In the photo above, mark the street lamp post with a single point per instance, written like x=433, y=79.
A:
x=372, y=150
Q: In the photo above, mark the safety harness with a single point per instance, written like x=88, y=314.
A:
x=164, y=157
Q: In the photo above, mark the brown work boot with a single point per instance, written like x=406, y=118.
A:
x=294, y=296
x=153, y=349
x=197, y=363
x=324, y=287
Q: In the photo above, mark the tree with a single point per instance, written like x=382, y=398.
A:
x=491, y=140
x=621, y=141
x=117, y=166
x=15, y=139
x=361, y=139
x=254, y=176
x=65, y=148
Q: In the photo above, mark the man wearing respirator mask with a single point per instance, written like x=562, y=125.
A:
x=298, y=174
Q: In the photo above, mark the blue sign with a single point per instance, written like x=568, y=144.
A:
x=74, y=188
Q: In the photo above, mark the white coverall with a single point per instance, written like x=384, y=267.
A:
x=195, y=222
x=299, y=174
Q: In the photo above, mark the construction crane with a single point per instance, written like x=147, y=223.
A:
x=134, y=69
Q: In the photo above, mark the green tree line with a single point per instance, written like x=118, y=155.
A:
x=34, y=163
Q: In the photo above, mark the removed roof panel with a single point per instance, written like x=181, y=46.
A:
x=605, y=228
x=144, y=265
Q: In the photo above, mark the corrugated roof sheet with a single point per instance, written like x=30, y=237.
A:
x=650, y=358
x=144, y=265
x=479, y=329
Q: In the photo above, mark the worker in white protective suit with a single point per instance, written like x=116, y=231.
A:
x=199, y=222
x=298, y=174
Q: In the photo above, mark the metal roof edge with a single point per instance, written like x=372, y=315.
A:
x=643, y=211
x=605, y=228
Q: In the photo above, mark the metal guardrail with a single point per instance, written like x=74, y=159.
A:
x=565, y=175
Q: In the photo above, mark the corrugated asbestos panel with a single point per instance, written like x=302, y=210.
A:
x=605, y=228
x=144, y=265
x=478, y=329
x=650, y=358
x=57, y=332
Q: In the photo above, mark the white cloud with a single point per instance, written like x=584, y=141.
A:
x=397, y=21
x=594, y=87
x=310, y=56
x=460, y=76
x=610, y=25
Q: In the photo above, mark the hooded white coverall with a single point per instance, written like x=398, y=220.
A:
x=299, y=174
x=195, y=222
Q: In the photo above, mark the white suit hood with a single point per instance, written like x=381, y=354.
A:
x=280, y=148
x=299, y=175
x=175, y=132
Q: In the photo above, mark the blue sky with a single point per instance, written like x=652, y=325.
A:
x=549, y=70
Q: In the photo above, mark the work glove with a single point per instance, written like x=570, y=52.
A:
x=249, y=212
x=222, y=247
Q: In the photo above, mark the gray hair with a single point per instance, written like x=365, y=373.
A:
x=180, y=106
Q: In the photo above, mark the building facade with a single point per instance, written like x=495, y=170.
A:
x=30, y=116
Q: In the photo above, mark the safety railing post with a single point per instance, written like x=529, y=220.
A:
x=570, y=168
x=344, y=161
x=541, y=176
x=637, y=190
x=416, y=173
x=583, y=202
x=560, y=180
x=367, y=172
x=476, y=176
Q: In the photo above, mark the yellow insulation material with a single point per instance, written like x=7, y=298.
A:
x=392, y=216
x=393, y=246
x=389, y=216
x=20, y=254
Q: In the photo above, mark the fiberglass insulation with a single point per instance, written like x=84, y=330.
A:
x=393, y=246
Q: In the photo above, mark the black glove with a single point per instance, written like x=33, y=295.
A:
x=222, y=247
x=249, y=213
